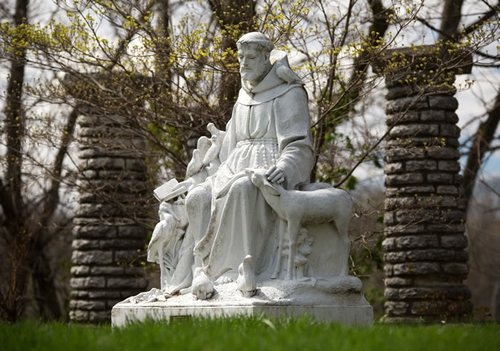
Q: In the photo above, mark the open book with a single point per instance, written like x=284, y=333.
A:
x=165, y=193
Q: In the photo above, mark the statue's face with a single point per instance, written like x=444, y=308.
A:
x=254, y=63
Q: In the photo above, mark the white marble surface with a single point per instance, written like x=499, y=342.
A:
x=252, y=234
x=338, y=300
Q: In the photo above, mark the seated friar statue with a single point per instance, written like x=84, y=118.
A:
x=247, y=216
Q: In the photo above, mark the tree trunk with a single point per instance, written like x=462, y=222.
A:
x=10, y=193
x=232, y=15
x=480, y=146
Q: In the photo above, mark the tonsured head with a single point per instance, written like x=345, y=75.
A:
x=254, y=50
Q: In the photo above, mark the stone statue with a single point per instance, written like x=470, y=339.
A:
x=250, y=218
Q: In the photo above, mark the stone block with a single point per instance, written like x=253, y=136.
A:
x=105, y=187
x=120, y=175
x=432, y=115
x=454, y=216
x=450, y=228
x=95, y=232
x=399, y=203
x=415, y=216
x=99, y=120
x=395, y=257
x=92, y=257
x=127, y=283
x=80, y=271
x=421, y=165
x=443, y=102
x=135, y=164
x=99, y=210
x=428, y=307
x=393, y=308
x=451, y=117
x=90, y=174
x=389, y=218
x=398, y=282
x=87, y=282
x=134, y=271
x=84, y=244
x=416, y=268
x=89, y=305
x=388, y=270
x=403, y=104
x=391, y=294
x=430, y=255
x=414, y=130
x=389, y=244
x=461, y=256
x=130, y=231
x=104, y=163
x=449, y=130
x=416, y=189
x=104, y=294
x=420, y=293
x=403, y=154
x=406, y=229
x=443, y=153
x=440, y=178
x=403, y=179
x=396, y=167
x=447, y=190
x=79, y=294
x=402, y=118
x=122, y=243
x=107, y=270
x=126, y=256
x=107, y=133
x=79, y=316
x=99, y=316
x=417, y=241
x=449, y=166
x=456, y=268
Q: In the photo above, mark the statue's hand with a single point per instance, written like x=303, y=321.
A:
x=275, y=175
x=188, y=183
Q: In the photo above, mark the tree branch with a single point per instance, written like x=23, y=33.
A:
x=480, y=146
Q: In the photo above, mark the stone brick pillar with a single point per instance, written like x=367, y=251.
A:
x=108, y=235
x=425, y=261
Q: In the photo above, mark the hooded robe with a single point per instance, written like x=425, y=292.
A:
x=269, y=126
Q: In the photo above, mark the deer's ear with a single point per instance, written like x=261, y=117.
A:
x=271, y=190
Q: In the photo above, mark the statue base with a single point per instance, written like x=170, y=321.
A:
x=339, y=301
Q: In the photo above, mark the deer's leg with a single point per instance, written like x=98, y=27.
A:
x=277, y=267
x=292, y=232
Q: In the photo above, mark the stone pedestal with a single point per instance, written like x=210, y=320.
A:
x=330, y=296
x=425, y=261
x=338, y=301
x=109, y=234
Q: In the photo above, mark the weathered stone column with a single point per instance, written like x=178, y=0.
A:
x=425, y=261
x=108, y=235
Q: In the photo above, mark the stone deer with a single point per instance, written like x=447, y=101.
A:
x=317, y=203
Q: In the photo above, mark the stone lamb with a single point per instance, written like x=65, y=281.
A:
x=316, y=203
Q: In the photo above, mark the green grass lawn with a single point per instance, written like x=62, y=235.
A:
x=247, y=334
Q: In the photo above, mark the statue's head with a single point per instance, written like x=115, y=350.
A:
x=254, y=50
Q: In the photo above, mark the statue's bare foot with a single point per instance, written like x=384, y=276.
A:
x=246, y=282
x=224, y=279
x=202, y=287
